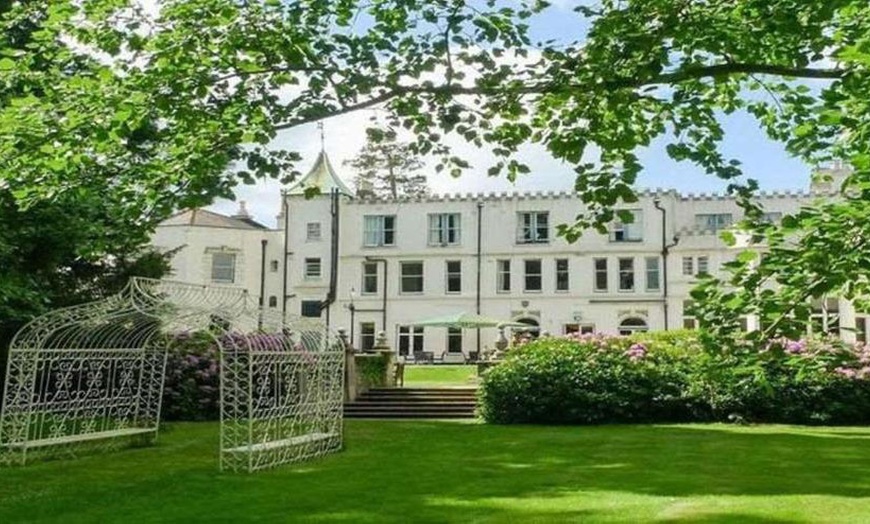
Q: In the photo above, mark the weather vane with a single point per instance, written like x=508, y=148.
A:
x=322, y=136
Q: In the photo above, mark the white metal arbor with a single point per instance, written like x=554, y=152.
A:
x=93, y=375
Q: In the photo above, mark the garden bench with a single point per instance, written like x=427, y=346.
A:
x=81, y=437
x=283, y=443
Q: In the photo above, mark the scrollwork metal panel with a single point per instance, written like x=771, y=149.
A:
x=93, y=375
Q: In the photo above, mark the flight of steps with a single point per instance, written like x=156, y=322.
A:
x=420, y=403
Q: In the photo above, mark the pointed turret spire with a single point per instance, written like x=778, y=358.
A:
x=321, y=176
x=322, y=137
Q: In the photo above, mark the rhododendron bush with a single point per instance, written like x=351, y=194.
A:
x=671, y=377
x=192, y=387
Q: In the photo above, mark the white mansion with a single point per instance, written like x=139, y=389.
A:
x=369, y=265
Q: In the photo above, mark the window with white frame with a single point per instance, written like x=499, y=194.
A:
x=410, y=340
x=312, y=268
x=713, y=221
x=503, y=276
x=444, y=229
x=223, y=268
x=703, y=265
x=696, y=266
x=562, y=277
x=411, y=277
x=453, y=276
x=369, y=278
x=532, y=275
x=689, y=266
x=653, y=278
x=600, y=274
x=628, y=231
x=626, y=274
x=575, y=328
x=379, y=230
x=366, y=335
x=533, y=227
x=313, y=231
x=632, y=325
x=454, y=340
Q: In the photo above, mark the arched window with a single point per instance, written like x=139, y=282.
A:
x=531, y=332
x=632, y=325
x=273, y=301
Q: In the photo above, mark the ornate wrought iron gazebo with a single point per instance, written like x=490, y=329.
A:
x=92, y=375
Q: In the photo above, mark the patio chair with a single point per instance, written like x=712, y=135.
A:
x=424, y=357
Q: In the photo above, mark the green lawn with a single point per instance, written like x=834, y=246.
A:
x=467, y=472
x=440, y=375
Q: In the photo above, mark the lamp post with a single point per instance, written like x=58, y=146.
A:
x=352, y=309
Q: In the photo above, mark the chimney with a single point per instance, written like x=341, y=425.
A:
x=242, y=212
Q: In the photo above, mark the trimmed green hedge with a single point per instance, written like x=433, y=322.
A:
x=372, y=370
x=670, y=377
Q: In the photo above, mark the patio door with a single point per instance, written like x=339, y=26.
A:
x=454, y=340
x=410, y=340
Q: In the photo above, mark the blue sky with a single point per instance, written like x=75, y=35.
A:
x=762, y=159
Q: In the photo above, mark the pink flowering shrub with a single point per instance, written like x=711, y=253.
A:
x=807, y=381
x=671, y=377
x=192, y=387
x=586, y=379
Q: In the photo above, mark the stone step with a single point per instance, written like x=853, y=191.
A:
x=417, y=395
x=423, y=391
x=408, y=414
x=396, y=398
x=414, y=403
x=465, y=406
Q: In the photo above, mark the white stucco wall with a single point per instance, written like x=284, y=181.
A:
x=499, y=214
x=193, y=261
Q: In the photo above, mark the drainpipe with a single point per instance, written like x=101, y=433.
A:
x=383, y=308
x=479, y=261
x=333, y=256
x=263, y=244
x=286, y=255
x=666, y=248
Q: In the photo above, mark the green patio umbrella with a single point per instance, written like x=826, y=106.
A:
x=467, y=321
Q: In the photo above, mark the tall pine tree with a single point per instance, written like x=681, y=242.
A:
x=387, y=168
